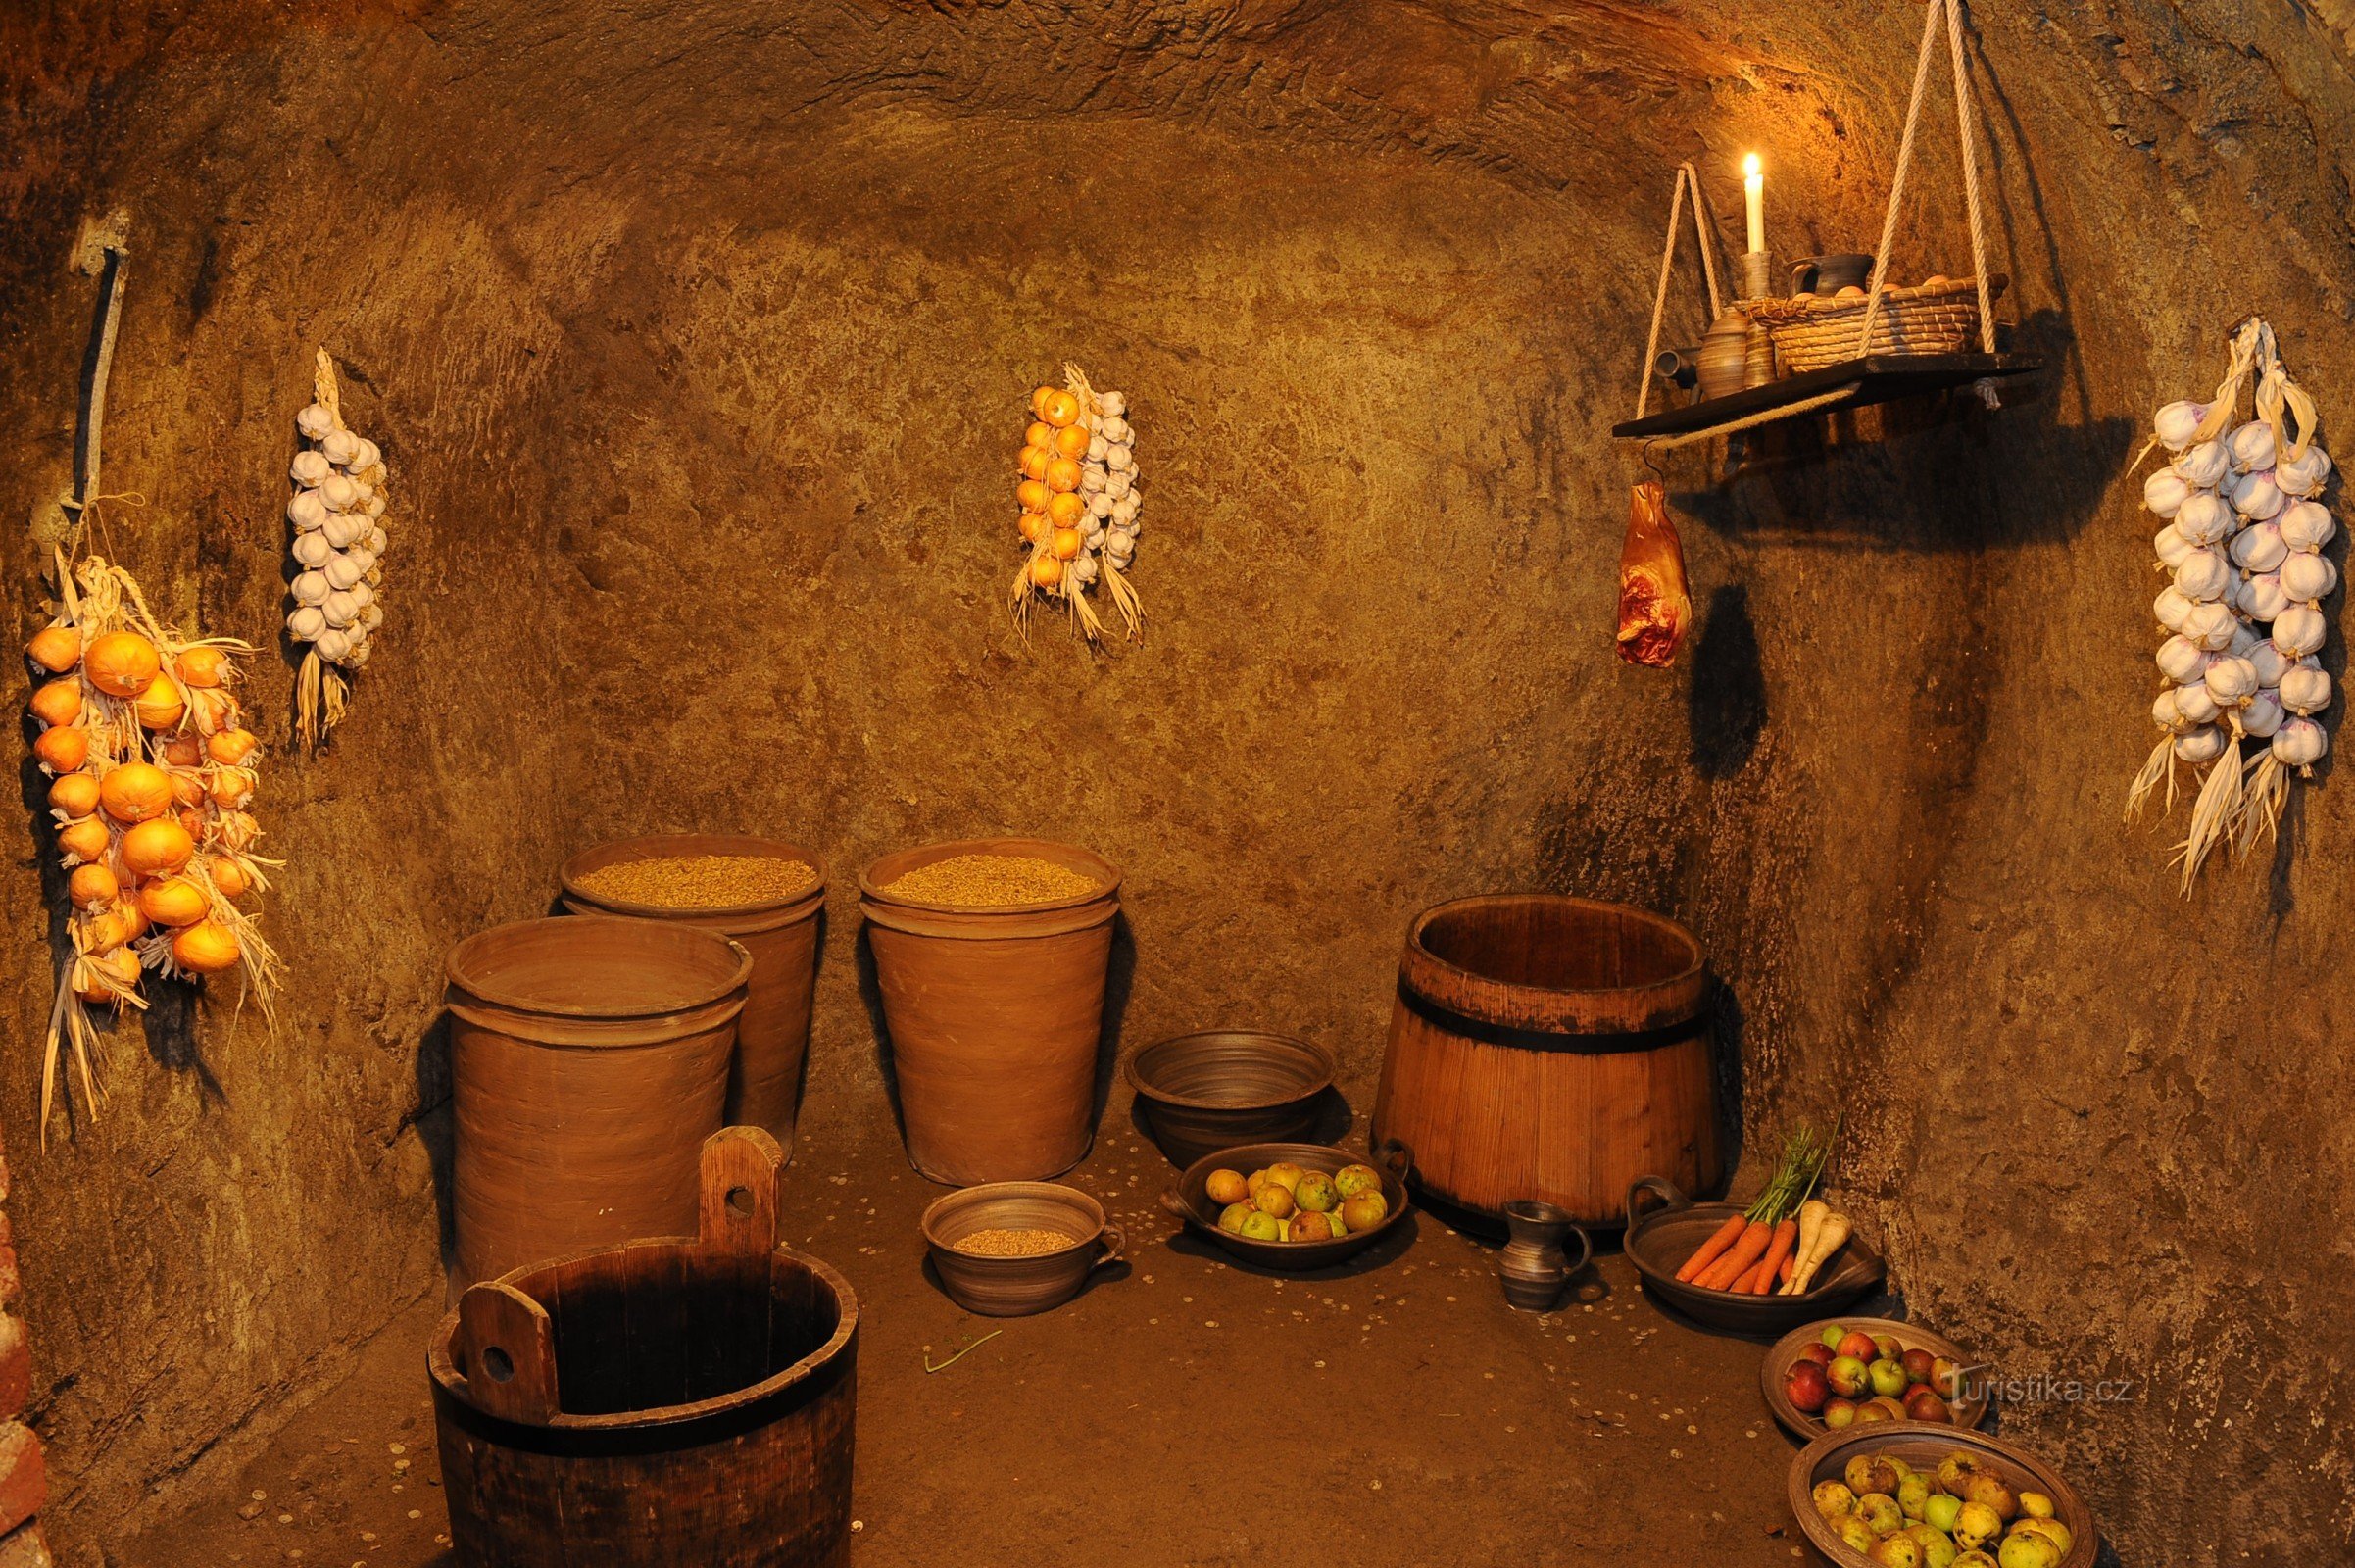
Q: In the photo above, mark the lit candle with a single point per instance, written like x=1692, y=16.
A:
x=1754, y=190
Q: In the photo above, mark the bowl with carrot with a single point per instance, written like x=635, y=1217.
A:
x=1762, y=1268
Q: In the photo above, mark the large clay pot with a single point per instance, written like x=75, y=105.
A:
x=1550, y=1047
x=589, y=1061
x=994, y=1015
x=680, y=1403
x=773, y=1035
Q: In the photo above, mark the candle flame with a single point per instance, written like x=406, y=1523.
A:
x=1750, y=164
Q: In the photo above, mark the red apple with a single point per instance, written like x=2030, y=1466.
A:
x=1820, y=1354
x=1807, y=1387
x=1857, y=1344
x=1848, y=1376
x=1918, y=1365
x=1924, y=1404
x=1838, y=1413
x=1886, y=1347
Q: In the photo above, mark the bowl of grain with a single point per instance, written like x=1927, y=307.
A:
x=1011, y=1249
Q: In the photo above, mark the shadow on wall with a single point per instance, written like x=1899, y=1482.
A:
x=1726, y=704
x=1925, y=475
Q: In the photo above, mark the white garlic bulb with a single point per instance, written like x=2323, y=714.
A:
x=2209, y=624
x=1116, y=431
x=2262, y=714
x=2261, y=596
x=2308, y=577
x=2306, y=525
x=339, y=447
x=2305, y=687
x=2300, y=742
x=1097, y=446
x=2259, y=547
x=1090, y=526
x=312, y=549
x=2193, y=701
x=2202, y=467
x=2171, y=547
x=373, y=506
x=2177, y=423
x=2164, y=491
x=2257, y=497
x=1124, y=507
x=305, y=509
x=1091, y=480
x=2251, y=446
x=2243, y=640
x=306, y=622
x=341, y=571
x=362, y=556
x=309, y=469
x=1112, y=405
x=2299, y=630
x=376, y=541
x=361, y=493
x=1100, y=505
x=2182, y=660
x=333, y=644
x=338, y=492
x=2205, y=518
x=366, y=457
x=371, y=617
x=314, y=422
x=340, y=608
x=1117, y=458
x=2270, y=664
x=2202, y=574
x=1119, y=485
x=2165, y=714
x=2203, y=744
x=309, y=588
x=1119, y=546
x=2231, y=680
x=1083, y=569
x=363, y=594
x=356, y=655
x=343, y=529
x=2170, y=609
x=2303, y=474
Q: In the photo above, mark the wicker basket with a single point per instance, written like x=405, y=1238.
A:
x=1941, y=317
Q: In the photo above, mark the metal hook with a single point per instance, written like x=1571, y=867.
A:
x=1652, y=463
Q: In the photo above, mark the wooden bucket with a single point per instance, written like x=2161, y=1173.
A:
x=772, y=1033
x=588, y=1062
x=994, y=1015
x=673, y=1403
x=1550, y=1047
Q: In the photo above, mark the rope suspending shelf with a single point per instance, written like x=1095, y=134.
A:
x=1869, y=377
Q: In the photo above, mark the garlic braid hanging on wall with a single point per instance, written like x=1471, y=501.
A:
x=338, y=510
x=2243, y=541
x=1080, y=503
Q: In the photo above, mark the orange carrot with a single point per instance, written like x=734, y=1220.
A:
x=1738, y=1259
x=1711, y=1249
x=1789, y=1261
x=1785, y=1241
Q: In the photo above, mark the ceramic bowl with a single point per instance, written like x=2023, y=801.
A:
x=1923, y=1448
x=1219, y=1089
x=1017, y=1287
x=1189, y=1202
x=1966, y=1412
x=1663, y=1229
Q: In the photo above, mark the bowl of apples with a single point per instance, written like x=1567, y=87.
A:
x=1898, y=1495
x=1831, y=1375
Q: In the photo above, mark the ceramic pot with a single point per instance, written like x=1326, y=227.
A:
x=1536, y=1262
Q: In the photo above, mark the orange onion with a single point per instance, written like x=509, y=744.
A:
x=75, y=794
x=1033, y=462
x=231, y=747
x=211, y=710
x=230, y=879
x=1066, y=509
x=1040, y=434
x=1032, y=493
x=121, y=663
x=174, y=900
x=1046, y=572
x=161, y=706
x=1062, y=474
x=1032, y=525
x=237, y=830
x=56, y=649
x=133, y=918
x=157, y=848
x=58, y=702
x=1065, y=543
x=121, y=963
x=1038, y=400
x=85, y=839
x=63, y=748
x=184, y=749
x=1071, y=441
x=232, y=787
x=189, y=787
x=206, y=948
x=135, y=792
x=203, y=666
x=103, y=932
x=1059, y=408
x=92, y=887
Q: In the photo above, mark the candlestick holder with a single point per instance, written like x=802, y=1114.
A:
x=1758, y=349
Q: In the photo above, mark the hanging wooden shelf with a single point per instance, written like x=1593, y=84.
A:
x=1875, y=378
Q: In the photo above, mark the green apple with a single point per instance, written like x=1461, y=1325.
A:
x=1880, y=1510
x=1888, y=1348
x=1839, y=1413
x=1913, y=1495
x=1952, y=1468
x=2035, y=1504
x=1937, y=1550
x=1831, y=1336
x=1974, y=1559
x=1855, y=1532
x=1974, y=1525
x=2051, y=1529
x=1889, y=1377
x=1897, y=1551
x=1992, y=1489
x=1350, y=1180
x=1231, y=1217
x=1316, y=1193
x=1833, y=1499
x=1939, y=1510
x=1261, y=1226
x=1871, y=1472
x=1848, y=1376
x=2028, y=1550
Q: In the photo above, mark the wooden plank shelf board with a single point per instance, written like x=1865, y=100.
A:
x=1875, y=378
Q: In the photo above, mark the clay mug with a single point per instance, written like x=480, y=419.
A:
x=1830, y=274
x=1536, y=1264
x=1725, y=352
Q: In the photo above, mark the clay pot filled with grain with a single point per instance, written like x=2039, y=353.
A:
x=991, y=956
x=766, y=894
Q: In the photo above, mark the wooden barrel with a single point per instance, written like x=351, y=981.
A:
x=588, y=1062
x=683, y=1402
x=1550, y=1047
x=994, y=1015
x=772, y=1033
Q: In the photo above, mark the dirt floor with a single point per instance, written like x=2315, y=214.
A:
x=1187, y=1410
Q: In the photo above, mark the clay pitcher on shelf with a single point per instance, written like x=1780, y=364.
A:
x=1725, y=352
x=1829, y=273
